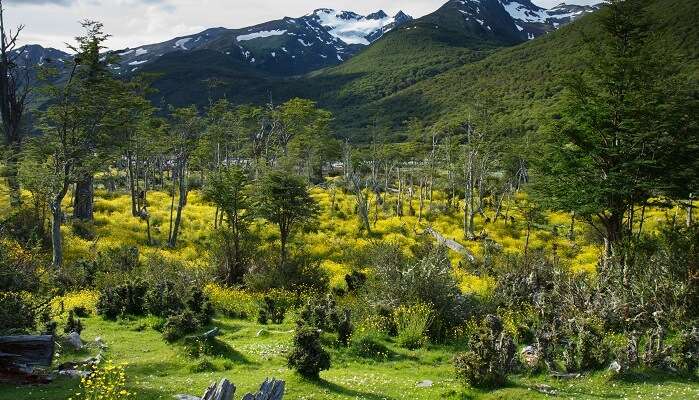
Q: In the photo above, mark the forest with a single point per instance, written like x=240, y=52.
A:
x=163, y=248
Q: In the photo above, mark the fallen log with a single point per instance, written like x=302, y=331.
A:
x=20, y=354
x=271, y=389
x=452, y=244
x=224, y=390
x=27, y=350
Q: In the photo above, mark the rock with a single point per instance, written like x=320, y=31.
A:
x=75, y=341
x=74, y=373
x=424, y=384
x=615, y=367
x=545, y=389
x=530, y=356
x=100, y=343
x=186, y=397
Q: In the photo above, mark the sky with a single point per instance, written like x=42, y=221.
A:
x=52, y=23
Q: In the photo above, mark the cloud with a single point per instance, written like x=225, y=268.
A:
x=64, y=3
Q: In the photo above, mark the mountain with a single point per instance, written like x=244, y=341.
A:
x=33, y=54
x=289, y=46
x=525, y=79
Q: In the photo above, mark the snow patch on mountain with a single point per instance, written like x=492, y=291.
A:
x=182, y=42
x=261, y=34
x=353, y=28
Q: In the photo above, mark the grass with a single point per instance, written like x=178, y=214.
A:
x=157, y=370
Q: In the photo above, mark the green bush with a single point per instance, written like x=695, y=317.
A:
x=307, y=356
x=490, y=358
x=178, y=326
x=320, y=312
x=686, y=350
x=119, y=259
x=163, y=300
x=345, y=328
x=17, y=315
x=126, y=299
x=73, y=324
x=272, y=308
x=201, y=306
x=412, y=323
x=368, y=344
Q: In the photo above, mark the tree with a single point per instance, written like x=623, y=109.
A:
x=626, y=132
x=283, y=199
x=81, y=115
x=187, y=126
x=15, y=88
x=227, y=189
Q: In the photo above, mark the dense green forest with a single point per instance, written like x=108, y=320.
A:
x=444, y=215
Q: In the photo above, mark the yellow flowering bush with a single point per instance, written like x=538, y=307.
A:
x=85, y=299
x=232, y=302
x=412, y=323
x=105, y=383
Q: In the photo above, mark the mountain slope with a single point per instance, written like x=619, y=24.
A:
x=288, y=46
x=526, y=78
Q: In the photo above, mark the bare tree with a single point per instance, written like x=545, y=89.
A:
x=15, y=89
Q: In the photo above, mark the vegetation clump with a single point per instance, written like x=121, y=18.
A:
x=307, y=356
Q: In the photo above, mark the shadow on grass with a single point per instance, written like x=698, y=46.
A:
x=339, y=390
x=219, y=348
x=654, y=377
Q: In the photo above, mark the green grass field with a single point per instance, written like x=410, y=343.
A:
x=157, y=370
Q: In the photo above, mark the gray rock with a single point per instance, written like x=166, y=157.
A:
x=75, y=341
x=425, y=384
x=186, y=397
x=615, y=367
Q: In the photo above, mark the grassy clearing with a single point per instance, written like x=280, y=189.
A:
x=157, y=370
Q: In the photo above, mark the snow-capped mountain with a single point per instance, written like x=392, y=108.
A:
x=503, y=21
x=288, y=46
x=33, y=54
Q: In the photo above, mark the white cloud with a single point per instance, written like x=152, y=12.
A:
x=135, y=22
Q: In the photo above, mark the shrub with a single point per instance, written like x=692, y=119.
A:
x=17, y=314
x=412, y=323
x=345, y=328
x=105, y=383
x=490, y=358
x=204, y=365
x=368, y=344
x=163, y=300
x=119, y=259
x=18, y=267
x=355, y=280
x=201, y=306
x=321, y=313
x=300, y=273
x=180, y=325
x=686, y=351
x=307, y=356
x=73, y=324
x=400, y=281
x=272, y=308
x=126, y=299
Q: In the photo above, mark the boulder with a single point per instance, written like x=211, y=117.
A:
x=74, y=340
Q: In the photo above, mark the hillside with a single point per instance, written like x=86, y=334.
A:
x=525, y=77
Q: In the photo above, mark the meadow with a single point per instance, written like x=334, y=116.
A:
x=251, y=351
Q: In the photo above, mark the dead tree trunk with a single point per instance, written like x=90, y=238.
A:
x=84, y=199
